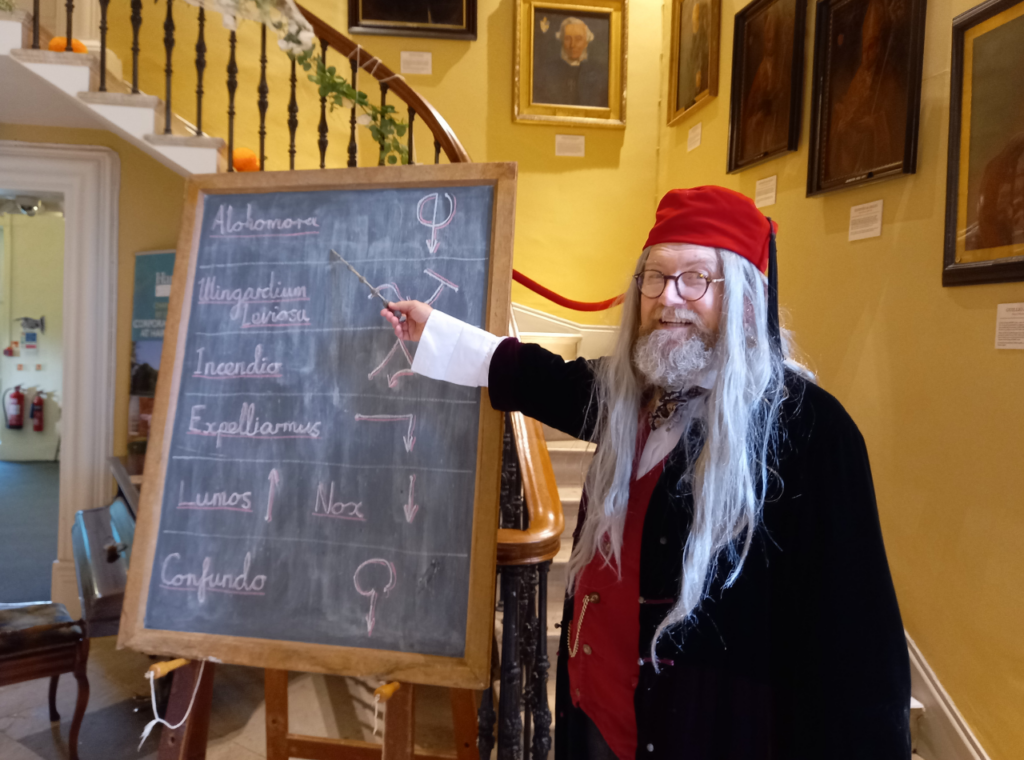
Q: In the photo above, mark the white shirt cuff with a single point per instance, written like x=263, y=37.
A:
x=454, y=351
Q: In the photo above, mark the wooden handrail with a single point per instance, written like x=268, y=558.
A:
x=443, y=134
x=541, y=540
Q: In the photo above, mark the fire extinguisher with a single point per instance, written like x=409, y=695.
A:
x=35, y=412
x=14, y=408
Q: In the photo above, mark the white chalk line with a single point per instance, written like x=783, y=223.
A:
x=318, y=262
x=346, y=395
x=261, y=328
x=328, y=464
x=426, y=260
x=316, y=541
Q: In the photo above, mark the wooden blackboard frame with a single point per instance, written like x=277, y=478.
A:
x=472, y=670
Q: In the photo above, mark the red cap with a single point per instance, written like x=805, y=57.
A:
x=714, y=217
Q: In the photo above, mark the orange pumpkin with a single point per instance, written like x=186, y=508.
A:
x=245, y=160
x=59, y=44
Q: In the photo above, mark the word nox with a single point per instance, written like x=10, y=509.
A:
x=249, y=426
x=223, y=224
x=273, y=292
x=210, y=581
x=258, y=367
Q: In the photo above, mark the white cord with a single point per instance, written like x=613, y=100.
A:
x=376, y=706
x=157, y=719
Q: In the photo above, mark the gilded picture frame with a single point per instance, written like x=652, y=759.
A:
x=767, y=81
x=693, y=68
x=440, y=19
x=570, y=62
x=865, y=92
x=984, y=240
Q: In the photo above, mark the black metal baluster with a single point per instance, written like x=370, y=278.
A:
x=232, y=86
x=35, y=24
x=437, y=152
x=263, y=90
x=200, y=68
x=541, y=709
x=293, y=121
x=168, y=69
x=383, y=102
x=412, y=115
x=485, y=719
x=103, y=44
x=136, y=23
x=510, y=722
x=528, y=648
x=70, y=6
x=322, y=129
x=352, y=146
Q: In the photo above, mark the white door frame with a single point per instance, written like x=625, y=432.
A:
x=89, y=178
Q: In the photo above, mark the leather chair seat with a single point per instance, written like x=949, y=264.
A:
x=36, y=625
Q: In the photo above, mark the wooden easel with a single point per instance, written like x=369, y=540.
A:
x=189, y=741
x=399, y=728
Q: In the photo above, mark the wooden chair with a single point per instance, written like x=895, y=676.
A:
x=39, y=640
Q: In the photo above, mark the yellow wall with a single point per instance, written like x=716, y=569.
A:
x=149, y=212
x=576, y=218
x=32, y=285
x=914, y=363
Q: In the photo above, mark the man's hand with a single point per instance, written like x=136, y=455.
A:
x=416, y=314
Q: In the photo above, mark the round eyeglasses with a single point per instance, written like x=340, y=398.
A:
x=691, y=286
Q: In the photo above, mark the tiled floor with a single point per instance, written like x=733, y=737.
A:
x=318, y=705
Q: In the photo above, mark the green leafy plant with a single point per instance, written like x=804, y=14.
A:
x=385, y=128
x=6, y=6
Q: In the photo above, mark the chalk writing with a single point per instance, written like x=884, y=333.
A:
x=433, y=201
x=440, y=288
x=224, y=225
x=274, y=317
x=273, y=292
x=326, y=506
x=209, y=581
x=248, y=425
x=259, y=367
x=409, y=507
x=371, y=616
x=234, y=501
x=275, y=480
x=393, y=379
x=408, y=439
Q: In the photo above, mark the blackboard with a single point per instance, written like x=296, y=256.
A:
x=309, y=503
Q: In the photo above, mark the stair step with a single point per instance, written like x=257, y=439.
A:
x=570, y=460
x=15, y=31
x=565, y=345
x=181, y=150
x=135, y=113
x=70, y=72
x=550, y=434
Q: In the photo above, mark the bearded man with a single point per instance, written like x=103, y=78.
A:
x=729, y=596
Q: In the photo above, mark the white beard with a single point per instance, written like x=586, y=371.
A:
x=667, y=361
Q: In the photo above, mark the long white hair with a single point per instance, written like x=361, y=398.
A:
x=729, y=464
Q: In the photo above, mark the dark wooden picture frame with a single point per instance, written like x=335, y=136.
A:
x=865, y=92
x=707, y=16
x=979, y=240
x=470, y=671
x=766, y=104
x=405, y=18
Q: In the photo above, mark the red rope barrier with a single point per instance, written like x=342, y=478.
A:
x=568, y=303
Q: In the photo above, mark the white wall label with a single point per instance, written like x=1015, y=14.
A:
x=417, y=63
x=1010, y=325
x=764, y=192
x=571, y=145
x=693, y=137
x=865, y=220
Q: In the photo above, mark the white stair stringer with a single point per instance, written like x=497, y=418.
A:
x=63, y=93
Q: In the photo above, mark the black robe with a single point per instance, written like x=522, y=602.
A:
x=804, y=657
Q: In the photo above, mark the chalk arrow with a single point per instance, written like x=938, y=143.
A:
x=409, y=508
x=275, y=480
x=433, y=243
x=408, y=439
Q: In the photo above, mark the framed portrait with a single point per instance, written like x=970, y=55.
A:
x=866, y=91
x=693, y=69
x=985, y=174
x=767, y=81
x=570, y=63
x=448, y=19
